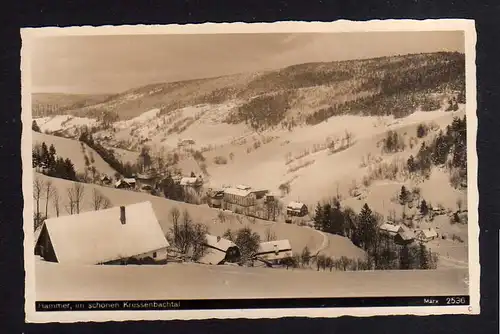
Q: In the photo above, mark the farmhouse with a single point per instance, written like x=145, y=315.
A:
x=220, y=251
x=274, y=250
x=426, y=235
x=405, y=237
x=390, y=229
x=296, y=209
x=110, y=236
x=126, y=183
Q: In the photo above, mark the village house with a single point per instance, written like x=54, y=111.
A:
x=111, y=236
x=105, y=180
x=245, y=200
x=271, y=251
x=404, y=237
x=426, y=235
x=191, y=182
x=296, y=209
x=220, y=251
x=242, y=197
x=390, y=229
x=126, y=183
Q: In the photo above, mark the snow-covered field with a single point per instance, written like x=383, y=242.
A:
x=197, y=281
x=64, y=122
x=75, y=151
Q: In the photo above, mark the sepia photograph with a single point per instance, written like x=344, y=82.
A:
x=287, y=169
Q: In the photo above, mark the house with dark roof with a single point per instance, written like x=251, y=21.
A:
x=109, y=236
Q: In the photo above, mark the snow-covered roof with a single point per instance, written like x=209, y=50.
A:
x=217, y=249
x=243, y=187
x=272, y=246
x=237, y=192
x=99, y=236
x=129, y=180
x=391, y=228
x=185, y=181
x=429, y=232
x=274, y=250
x=407, y=235
x=295, y=205
x=219, y=243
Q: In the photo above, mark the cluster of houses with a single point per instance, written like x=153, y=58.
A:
x=150, y=181
x=241, y=198
x=252, y=202
x=121, y=234
x=403, y=235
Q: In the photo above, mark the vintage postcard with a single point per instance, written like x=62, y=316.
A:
x=250, y=170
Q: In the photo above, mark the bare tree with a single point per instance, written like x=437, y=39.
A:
x=174, y=215
x=37, y=194
x=99, y=201
x=49, y=192
x=75, y=196
x=270, y=235
x=55, y=202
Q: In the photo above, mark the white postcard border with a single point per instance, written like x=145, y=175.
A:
x=467, y=26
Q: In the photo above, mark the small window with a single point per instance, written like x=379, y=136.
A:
x=154, y=255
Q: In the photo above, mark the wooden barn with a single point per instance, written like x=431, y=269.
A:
x=110, y=236
x=296, y=209
x=220, y=251
x=274, y=250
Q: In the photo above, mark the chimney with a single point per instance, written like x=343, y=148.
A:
x=123, y=219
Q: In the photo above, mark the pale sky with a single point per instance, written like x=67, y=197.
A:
x=112, y=64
